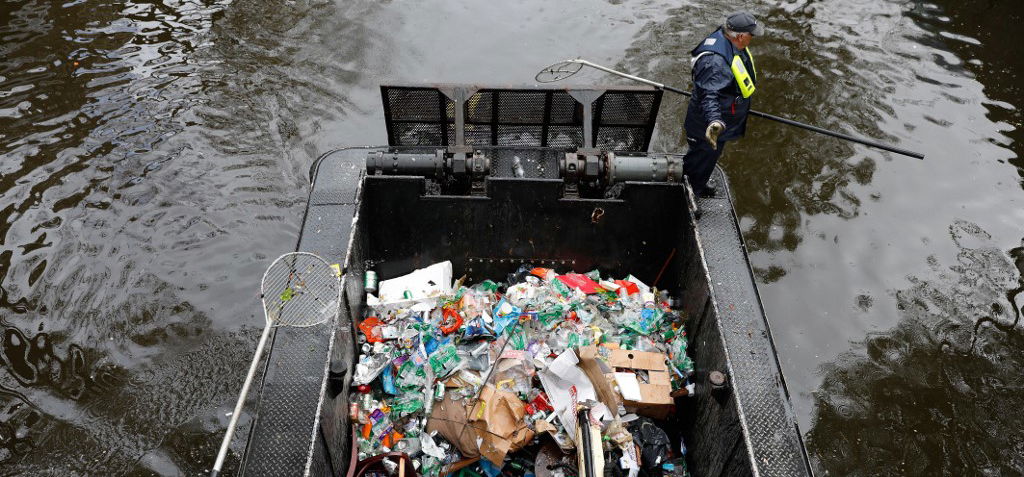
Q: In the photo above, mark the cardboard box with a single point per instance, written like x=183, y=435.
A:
x=651, y=395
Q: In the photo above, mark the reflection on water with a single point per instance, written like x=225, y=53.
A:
x=835, y=228
x=154, y=157
x=940, y=393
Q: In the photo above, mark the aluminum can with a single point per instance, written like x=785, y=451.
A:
x=370, y=281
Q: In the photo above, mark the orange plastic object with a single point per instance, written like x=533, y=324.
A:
x=451, y=320
x=391, y=439
x=371, y=328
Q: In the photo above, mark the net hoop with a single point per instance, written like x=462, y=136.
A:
x=558, y=71
x=300, y=289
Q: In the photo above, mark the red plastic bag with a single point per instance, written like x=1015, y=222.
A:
x=631, y=287
x=541, y=403
x=578, y=280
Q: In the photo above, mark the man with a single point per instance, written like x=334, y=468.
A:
x=724, y=78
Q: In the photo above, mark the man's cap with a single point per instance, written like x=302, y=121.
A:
x=744, y=22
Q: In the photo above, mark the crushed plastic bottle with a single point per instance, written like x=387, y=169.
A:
x=517, y=167
x=369, y=367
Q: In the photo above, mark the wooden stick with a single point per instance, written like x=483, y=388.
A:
x=663, y=267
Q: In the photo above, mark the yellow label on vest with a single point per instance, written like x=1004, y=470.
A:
x=743, y=78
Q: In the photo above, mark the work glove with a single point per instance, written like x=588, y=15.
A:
x=714, y=129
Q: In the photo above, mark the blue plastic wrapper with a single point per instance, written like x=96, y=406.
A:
x=490, y=469
x=430, y=344
x=503, y=320
x=476, y=329
x=648, y=322
x=387, y=379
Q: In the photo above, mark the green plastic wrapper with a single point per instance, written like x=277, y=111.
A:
x=561, y=288
x=551, y=316
x=444, y=360
x=677, y=349
x=406, y=405
x=518, y=340
x=648, y=320
x=410, y=377
x=488, y=286
x=627, y=340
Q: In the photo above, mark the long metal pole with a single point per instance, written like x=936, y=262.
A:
x=772, y=117
x=241, y=401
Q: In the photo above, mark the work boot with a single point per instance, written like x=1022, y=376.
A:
x=709, y=190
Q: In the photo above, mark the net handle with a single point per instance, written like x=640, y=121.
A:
x=254, y=365
x=770, y=117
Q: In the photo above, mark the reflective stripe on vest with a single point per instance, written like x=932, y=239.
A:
x=743, y=78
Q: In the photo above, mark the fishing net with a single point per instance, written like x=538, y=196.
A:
x=559, y=71
x=300, y=289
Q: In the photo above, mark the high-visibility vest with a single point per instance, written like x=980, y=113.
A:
x=718, y=44
x=743, y=77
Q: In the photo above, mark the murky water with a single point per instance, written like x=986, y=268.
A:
x=154, y=159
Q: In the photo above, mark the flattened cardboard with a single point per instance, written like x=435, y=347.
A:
x=449, y=419
x=496, y=423
x=498, y=420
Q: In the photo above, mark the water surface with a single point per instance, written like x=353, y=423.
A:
x=154, y=159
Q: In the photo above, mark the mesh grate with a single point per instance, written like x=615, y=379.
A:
x=521, y=107
x=565, y=109
x=414, y=104
x=621, y=138
x=519, y=117
x=418, y=116
x=624, y=119
x=417, y=134
x=480, y=107
x=565, y=137
x=478, y=134
x=626, y=108
x=520, y=136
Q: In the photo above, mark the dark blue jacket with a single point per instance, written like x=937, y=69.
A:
x=716, y=96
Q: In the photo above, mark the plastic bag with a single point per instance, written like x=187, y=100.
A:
x=654, y=444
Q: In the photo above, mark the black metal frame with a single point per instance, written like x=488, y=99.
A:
x=751, y=429
x=501, y=111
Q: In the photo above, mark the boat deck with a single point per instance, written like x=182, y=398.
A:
x=297, y=421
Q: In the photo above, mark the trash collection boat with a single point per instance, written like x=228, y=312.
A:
x=492, y=179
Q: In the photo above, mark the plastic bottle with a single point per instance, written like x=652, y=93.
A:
x=370, y=366
x=370, y=281
x=517, y=167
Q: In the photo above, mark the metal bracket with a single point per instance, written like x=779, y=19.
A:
x=586, y=97
x=459, y=94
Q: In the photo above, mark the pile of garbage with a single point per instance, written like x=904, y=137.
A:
x=458, y=376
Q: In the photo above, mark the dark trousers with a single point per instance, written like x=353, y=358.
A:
x=699, y=162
